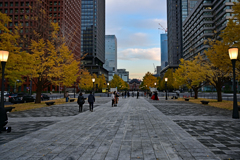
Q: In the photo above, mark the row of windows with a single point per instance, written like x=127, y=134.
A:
x=54, y=3
x=55, y=9
x=6, y=4
x=11, y=10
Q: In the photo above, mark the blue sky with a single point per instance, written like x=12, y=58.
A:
x=135, y=24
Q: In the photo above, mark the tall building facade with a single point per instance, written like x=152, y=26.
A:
x=174, y=25
x=110, y=55
x=208, y=16
x=122, y=73
x=164, y=50
x=93, y=36
x=66, y=13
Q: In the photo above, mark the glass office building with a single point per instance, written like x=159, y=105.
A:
x=110, y=55
x=164, y=51
x=93, y=36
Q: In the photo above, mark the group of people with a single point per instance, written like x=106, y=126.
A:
x=81, y=101
x=115, y=98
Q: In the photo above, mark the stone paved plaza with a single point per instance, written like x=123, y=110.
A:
x=136, y=129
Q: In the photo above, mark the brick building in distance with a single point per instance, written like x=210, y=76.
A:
x=66, y=12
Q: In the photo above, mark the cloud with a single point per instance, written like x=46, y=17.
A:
x=140, y=54
x=143, y=7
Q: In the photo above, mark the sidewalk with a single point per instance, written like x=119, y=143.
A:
x=136, y=129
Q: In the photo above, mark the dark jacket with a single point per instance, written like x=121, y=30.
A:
x=3, y=116
x=80, y=100
x=91, y=98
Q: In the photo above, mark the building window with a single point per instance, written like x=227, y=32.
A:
x=6, y=4
x=55, y=3
x=55, y=8
x=22, y=3
x=50, y=9
x=1, y=4
x=6, y=11
x=16, y=3
x=11, y=4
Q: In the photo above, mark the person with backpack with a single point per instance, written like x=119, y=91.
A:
x=80, y=101
x=91, y=100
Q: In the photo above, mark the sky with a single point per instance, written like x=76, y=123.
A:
x=135, y=23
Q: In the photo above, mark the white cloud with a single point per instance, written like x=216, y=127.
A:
x=143, y=7
x=140, y=54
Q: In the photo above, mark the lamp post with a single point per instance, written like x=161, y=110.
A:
x=3, y=59
x=74, y=88
x=166, y=79
x=233, y=54
x=108, y=88
x=146, y=91
x=93, y=80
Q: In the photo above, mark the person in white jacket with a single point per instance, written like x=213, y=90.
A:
x=113, y=98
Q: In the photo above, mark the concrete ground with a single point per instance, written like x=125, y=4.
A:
x=135, y=129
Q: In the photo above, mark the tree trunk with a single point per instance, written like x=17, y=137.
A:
x=195, y=92
x=219, y=93
x=39, y=92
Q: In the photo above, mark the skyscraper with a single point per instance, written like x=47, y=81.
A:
x=174, y=25
x=93, y=36
x=177, y=12
x=164, y=51
x=66, y=13
x=110, y=55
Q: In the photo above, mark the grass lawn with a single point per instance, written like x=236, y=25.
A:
x=212, y=102
x=33, y=105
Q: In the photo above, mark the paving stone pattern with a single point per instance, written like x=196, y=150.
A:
x=69, y=109
x=221, y=137
x=22, y=128
x=134, y=130
x=219, y=132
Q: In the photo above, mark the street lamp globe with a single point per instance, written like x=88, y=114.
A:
x=155, y=84
x=4, y=56
x=233, y=53
x=166, y=79
x=108, y=84
x=93, y=80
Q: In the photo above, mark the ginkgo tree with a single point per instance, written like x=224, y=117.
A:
x=118, y=82
x=148, y=81
x=191, y=74
x=51, y=63
x=18, y=60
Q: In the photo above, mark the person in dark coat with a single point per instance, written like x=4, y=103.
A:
x=128, y=94
x=4, y=121
x=137, y=94
x=80, y=101
x=91, y=100
x=125, y=94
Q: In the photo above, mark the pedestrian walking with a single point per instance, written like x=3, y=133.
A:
x=122, y=95
x=137, y=94
x=80, y=101
x=116, y=98
x=66, y=95
x=125, y=94
x=113, y=98
x=128, y=94
x=91, y=100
